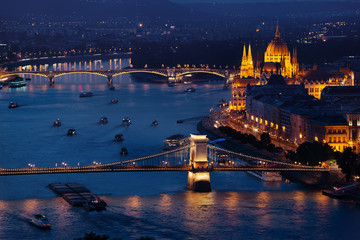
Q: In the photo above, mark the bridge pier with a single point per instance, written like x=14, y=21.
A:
x=199, y=177
x=109, y=80
x=51, y=80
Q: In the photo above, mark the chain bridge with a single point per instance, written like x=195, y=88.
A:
x=172, y=74
x=198, y=158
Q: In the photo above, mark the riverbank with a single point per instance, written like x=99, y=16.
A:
x=62, y=59
x=318, y=180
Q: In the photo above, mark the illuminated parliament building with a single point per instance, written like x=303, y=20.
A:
x=284, y=100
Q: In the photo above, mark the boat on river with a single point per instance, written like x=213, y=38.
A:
x=103, y=120
x=155, y=123
x=13, y=105
x=57, y=123
x=267, y=176
x=17, y=82
x=86, y=94
x=189, y=90
x=175, y=141
x=40, y=221
x=114, y=100
x=126, y=121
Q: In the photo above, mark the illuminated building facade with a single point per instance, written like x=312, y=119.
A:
x=287, y=112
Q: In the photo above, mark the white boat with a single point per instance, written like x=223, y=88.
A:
x=40, y=221
x=267, y=176
x=175, y=141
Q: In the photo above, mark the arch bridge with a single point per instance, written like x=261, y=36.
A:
x=198, y=158
x=172, y=74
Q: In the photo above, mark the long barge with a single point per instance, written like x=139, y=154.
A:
x=78, y=196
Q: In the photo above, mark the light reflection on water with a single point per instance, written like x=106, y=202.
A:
x=140, y=204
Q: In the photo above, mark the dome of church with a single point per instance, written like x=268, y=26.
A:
x=277, y=47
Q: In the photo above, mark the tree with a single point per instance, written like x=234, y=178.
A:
x=94, y=236
x=349, y=163
x=265, y=138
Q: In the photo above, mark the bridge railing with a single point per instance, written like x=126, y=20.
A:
x=221, y=157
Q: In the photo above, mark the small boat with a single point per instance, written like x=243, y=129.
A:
x=155, y=123
x=114, y=100
x=119, y=137
x=96, y=204
x=123, y=151
x=103, y=120
x=222, y=103
x=57, y=123
x=13, y=105
x=126, y=121
x=40, y=221
x=175, y=141
x=86, y=94
x=266, y=176
x=17, y=82
x=71, y=132
x=111, y=87
x=190, y=89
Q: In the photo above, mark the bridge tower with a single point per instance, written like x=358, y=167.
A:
x=171, y=75
x=199, y=177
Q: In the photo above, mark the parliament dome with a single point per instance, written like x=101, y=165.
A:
x=277, y=47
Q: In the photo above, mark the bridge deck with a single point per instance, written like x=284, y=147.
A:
x=58, y=170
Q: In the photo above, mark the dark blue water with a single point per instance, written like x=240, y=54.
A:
x=141, y=204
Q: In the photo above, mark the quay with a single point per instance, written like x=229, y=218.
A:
x=78, y=196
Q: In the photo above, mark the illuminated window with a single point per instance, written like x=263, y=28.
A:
x=283, y=128
x=271, y=124
x=256, y=119
x=277, y=126
x=266, y=122
x=300, y=136
x=252, y=117
x=260, y=120
x=316, y=139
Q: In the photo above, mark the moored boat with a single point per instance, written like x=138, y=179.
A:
x=40, y=221
x=155, y=123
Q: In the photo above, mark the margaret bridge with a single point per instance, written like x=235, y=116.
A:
x=198, y=158
x=172, y=74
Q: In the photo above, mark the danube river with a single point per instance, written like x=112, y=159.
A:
x=141, y=204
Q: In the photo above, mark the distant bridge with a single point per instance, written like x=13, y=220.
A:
x=198, y=159
x=173, y=74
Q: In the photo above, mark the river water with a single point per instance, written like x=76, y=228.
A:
x=141, y=204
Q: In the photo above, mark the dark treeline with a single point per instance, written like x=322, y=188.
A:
x=222, y=53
